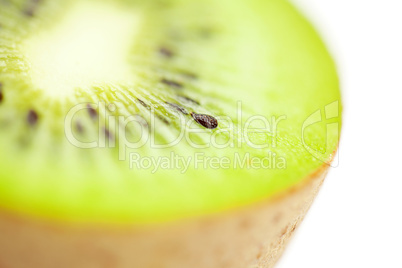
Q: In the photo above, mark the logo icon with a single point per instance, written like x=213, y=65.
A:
x=328, y=116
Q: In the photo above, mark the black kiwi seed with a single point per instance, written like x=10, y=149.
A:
x=92, y=112
x=187, y=99
x=30, y=11
x=164, y=120
x=107, y=133
x=1, y=92
x=32, y=117
x=206, y=121
x=143, y=104
x=177, y=108
x=31, y=7
x=166, y=52
x=79, y=127
x=190, y=76
x=172, y=83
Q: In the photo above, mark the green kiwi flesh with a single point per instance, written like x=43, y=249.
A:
x=78, y=70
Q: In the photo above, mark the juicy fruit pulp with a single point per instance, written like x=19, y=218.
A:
x=135, y=111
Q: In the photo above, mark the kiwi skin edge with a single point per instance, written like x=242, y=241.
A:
x=253, y=237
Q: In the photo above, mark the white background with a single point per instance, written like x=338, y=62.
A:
x=356, y=221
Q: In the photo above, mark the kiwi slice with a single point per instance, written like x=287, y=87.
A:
x=144, y=119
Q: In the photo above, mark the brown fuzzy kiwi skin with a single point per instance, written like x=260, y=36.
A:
x=251, y=237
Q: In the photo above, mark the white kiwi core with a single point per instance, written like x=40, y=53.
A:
x=90, y=45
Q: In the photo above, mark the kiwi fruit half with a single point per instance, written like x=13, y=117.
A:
x=159, y=133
